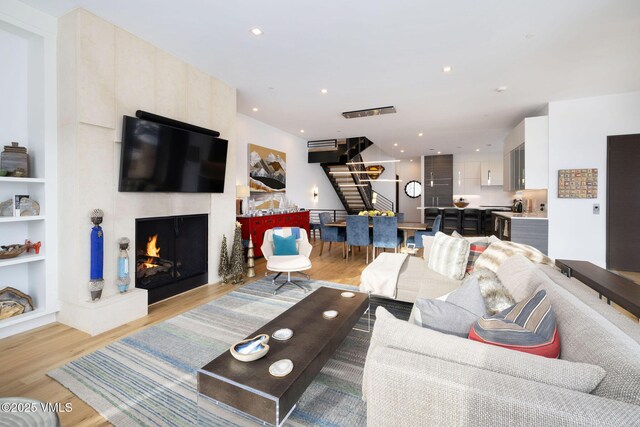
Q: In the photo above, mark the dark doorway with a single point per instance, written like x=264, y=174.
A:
x=397, y=193
x=623, y=202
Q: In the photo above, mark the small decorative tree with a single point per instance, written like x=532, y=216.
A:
x=223, y=269
x=237, y=256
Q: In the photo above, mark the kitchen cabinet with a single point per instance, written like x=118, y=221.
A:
x=466, y=178
x=438, y=177
x=526, y=155
x=255, y=226
x=491, y=170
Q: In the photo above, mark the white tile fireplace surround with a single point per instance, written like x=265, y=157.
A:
x=104, y=73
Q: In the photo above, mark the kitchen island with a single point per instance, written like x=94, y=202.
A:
x=529, y=228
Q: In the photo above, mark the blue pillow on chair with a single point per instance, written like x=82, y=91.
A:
x=284, y=245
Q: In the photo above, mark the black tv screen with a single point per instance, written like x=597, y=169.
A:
x=162, y=158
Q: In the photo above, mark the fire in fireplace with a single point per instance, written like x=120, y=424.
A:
x=171, y=254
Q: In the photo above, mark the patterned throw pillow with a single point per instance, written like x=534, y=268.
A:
x=497, y=252
x=475, y=250
x=449, y=256
x=496, y=296
x=529, y=326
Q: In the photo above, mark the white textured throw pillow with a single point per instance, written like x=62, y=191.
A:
x=449, y=256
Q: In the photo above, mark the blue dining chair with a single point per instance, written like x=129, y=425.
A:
x=385, y=233
x=358, y=233
x=331, y=234
x=417, y=237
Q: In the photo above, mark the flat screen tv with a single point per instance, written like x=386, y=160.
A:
x=161, y=158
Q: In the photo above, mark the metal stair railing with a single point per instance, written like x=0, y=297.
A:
x=364, y=187
x=381, y=203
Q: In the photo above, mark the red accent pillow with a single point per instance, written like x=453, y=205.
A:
x=475, y=250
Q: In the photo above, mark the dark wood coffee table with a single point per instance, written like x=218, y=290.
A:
x=247, y=389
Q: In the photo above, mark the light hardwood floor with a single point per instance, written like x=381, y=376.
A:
x=26, y=358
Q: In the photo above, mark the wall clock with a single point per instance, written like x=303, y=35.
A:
x=413, y=189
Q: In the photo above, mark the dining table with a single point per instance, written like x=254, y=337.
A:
x=404, y=226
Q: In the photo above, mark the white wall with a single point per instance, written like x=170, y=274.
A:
x=13, y=87
x=302, y=177
x=387, y=189
x=578, y=131
x=409, y=170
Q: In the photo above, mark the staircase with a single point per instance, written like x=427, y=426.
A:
x=334, y=156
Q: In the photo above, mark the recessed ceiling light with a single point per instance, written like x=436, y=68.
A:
x=301, y=130
x=501, y=88
x=395, y=145
x=256, y=31
x=439, y=152
x=477, y=149
x=420, y=134
x=402, y=151
x=446, y=69
x=411, y=160
x=255, y=109
x=323, y=91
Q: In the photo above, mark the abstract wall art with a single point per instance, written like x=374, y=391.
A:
x=267, y=170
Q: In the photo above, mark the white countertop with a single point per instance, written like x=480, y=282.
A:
x=523, y=215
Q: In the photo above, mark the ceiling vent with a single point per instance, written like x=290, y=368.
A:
x=370, y=112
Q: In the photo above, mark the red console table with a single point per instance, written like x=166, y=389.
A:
x=255, y=226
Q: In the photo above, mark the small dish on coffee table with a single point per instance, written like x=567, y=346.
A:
x=330, y=314
x=282, y=334
x=347, y=295
x=281, y=368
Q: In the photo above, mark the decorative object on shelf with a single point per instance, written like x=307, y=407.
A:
x=330, y=314
x=34, y=246
x=15, y=160
x=14, y=302
x=17, y=200
x=225, y=265
x=267, y=169
x=6, y=208
x=123, y=279
x=578, y=183
x=282, y=334
x=96, y=280
x=251, y=271
x=250, y=349
x=11, y=251
x=281, y=368
x=374, y=171
x=238, y=267
x=29, y=207
x=347, y=295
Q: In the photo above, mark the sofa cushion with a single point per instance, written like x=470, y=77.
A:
x=529, y=326
x=456, y=314
x=498, y=252
x=520, y=276
x=588, y=337
x=394, y=333
x=449, y=256
x=417, y=280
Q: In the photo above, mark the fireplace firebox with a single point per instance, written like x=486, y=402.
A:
x=171, y=254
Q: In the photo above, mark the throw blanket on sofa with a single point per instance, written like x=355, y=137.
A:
x=381, y=276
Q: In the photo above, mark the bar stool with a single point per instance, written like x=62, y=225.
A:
x=430, y=215
x=471, y=222
x=450, y=220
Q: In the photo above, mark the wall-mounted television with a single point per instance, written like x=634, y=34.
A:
x=157, y=157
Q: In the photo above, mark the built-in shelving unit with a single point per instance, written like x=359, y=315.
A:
x=32, y=122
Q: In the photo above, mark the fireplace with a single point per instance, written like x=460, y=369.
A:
x=171, y=254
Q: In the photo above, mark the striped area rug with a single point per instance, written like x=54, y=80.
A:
x=148, y=378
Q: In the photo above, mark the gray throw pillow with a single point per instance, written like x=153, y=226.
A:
x=456, y=314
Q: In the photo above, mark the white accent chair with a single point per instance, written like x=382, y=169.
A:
x=287, y=263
